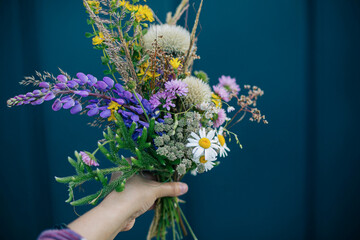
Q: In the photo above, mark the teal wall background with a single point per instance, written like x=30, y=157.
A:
x=296, y=178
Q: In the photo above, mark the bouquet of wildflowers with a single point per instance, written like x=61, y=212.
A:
x=151, y=103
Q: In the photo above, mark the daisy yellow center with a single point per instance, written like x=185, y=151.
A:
x=202, y=159
x=221, y=140
x=204, y=143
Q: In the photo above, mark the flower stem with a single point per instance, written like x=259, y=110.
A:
x=137, y=98
x=187, y=224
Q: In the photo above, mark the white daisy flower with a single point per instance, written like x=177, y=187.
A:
x=222, y=143
x=203, y=144
x=207, y=163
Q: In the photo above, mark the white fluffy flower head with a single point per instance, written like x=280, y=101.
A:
x=199, y=91
x=170, y=38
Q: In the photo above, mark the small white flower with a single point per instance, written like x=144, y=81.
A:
x=222, y=143
x=227, y=119
x=203, y=144
x=197, y=116
x=204, y=106
x=194, y=172
x=230, y=109
x=208, y=115
x=207, y=162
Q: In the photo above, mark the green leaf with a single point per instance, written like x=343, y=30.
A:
x=105, y=60
x=121, y=186
x=101, y=177
x=90, y=21
x=107, y=72
x=89, y=35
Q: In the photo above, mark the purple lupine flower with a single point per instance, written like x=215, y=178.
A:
x=44, y=85
x=163, y=99
x=82, y=93
x=229, y=84
x=49, y=96
x=69, y=103
x=76, y=109
x=177, y=87
x=38, y=101
x=60, y=86
x=72, y=84
x=36, y=93
x=87, y=159
x=101, y=85
x=93, y=112
x=92, y=80
x=106, y=113
x=57, y=105
x=62, y=78
x=222, y=93
x=82, y=78
x=108, y=81
x=94, y=109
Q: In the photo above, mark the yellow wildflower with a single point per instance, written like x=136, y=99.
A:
x=127, y=5
x=175, y=63
x=149, y=73
x=217, y=100
x=97, y=40
x=113, y=107
x=95, y=5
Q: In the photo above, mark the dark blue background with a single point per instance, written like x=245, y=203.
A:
x=296, y=178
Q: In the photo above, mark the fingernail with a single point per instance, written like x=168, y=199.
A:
x=183, y=188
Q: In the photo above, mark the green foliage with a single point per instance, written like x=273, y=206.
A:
x=119, y=138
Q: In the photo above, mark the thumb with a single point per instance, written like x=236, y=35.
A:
x=172, y=189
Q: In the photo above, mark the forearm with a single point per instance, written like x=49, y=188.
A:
x=101, y=223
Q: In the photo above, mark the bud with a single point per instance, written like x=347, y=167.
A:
x=131, y=85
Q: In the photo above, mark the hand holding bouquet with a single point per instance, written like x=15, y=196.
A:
x=151, y=104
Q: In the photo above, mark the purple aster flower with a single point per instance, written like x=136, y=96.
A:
x=229, y=84
x=163, y=99
x=87, y=159
x=222, y=93
x=221, y=117
x=177, y=87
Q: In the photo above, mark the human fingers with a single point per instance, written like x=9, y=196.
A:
x=171, y=189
